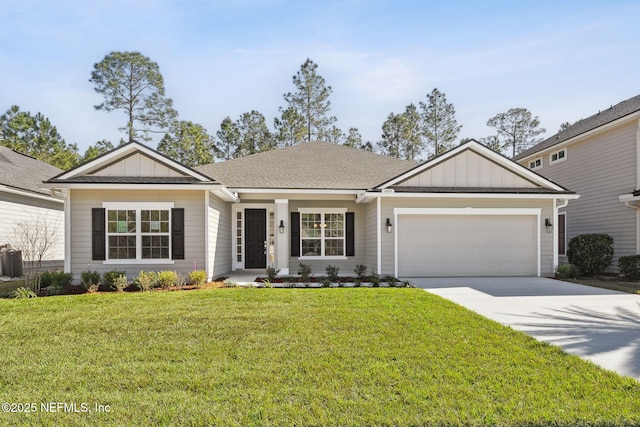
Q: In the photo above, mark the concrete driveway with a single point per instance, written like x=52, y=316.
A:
x=597, y=324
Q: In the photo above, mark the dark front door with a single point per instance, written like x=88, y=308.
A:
x=255, y=237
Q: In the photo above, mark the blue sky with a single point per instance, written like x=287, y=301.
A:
x=563, y=60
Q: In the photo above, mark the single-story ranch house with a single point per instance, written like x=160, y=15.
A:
x=467, y=212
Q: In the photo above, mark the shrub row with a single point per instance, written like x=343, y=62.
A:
x=145, y=280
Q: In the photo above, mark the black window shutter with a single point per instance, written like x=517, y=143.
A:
x=98, y=242
x=350, y=229
x=295, y=233
x=177, y=233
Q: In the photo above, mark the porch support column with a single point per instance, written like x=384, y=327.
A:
x=282, y=239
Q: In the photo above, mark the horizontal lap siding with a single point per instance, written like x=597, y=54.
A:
x=16, y=209
x=600, y=169
x=346, y=266
x=219, y=236
x=371, y=236
x=82, y=201
x=388, y=205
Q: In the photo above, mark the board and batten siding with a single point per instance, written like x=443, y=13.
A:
x=347, y=266
x=219, y=237
x=82, y=201
x=389, y=204
x=18, y=209
x=600, y=168
x=467, y=169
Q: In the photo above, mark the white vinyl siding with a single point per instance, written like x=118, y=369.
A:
x=16, y=209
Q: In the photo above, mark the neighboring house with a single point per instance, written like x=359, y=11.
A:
x=24, y=206
x=467, y=212
x=599, y=158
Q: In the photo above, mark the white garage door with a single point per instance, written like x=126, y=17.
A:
x=467, y=245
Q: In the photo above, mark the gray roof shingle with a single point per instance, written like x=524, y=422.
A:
x=609, y=115
x=24, y=172
x=310, y=165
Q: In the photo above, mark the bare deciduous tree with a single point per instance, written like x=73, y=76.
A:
x=36, y=238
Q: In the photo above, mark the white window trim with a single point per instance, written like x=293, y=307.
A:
x=137, y=206
x=533, y=161
x=558, y=160
x=325, y=211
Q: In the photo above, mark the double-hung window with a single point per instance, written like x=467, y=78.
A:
x=322, y=233
x=138, y=231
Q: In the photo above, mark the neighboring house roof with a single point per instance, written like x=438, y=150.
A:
x=602, y=118
x=23, y=172
x=310, y=165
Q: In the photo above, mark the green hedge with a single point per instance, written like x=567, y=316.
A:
x=630, y=267
x=591, y=253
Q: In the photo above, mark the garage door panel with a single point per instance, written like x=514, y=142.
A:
x=475, y=245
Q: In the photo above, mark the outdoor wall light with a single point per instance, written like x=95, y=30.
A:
x=547, y=223
x=389, y=226
x=281, y=227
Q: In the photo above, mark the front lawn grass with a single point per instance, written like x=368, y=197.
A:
x=348, y=357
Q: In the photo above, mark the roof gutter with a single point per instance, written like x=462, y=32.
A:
x=602, y=128
x=30, y=194
x=365, y=196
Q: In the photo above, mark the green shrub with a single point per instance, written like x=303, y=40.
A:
x=361, y=271
x=167, y=279
x=392, y=281
x=46, y=279
x=90, y=280
x=146, y=280
x=591, y=253
x=110, y=277
x=375, y=282
x=198, y=278
x=566, y=271
x=332, y=273
x=272, y=272
x=62, y=279
x=23, y=293
x=304, y=270
x=630, y=267
x=55, y=278
x=120, y=283
x=326, y=283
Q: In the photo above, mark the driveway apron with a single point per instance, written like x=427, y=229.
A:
x=596, y=324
